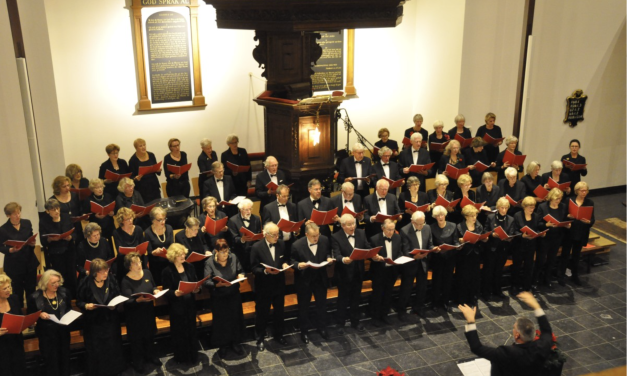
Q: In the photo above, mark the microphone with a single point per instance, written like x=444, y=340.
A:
x=338, y=114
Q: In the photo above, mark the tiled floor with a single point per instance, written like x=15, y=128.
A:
x=589, y=322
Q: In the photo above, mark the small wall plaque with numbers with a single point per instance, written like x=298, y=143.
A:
x=575, y=105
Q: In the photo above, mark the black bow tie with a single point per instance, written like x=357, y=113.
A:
x=315, y=202
x=381, y=198
x=246, y=219
x=418, y=230
x=347, y=201
x=351, y=236
x=416, y=151
x=387, y=239
x=313, y=245
x=385, y=164
x=271, y=245
x=272, y=175
x=219, y=180
x=359, y=162
x=282, y=205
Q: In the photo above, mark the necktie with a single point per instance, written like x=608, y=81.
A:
x=219, y=180
x=282, y=205
x=381, y=198
x=347, y=201
x=385, y=164
x=387, y=239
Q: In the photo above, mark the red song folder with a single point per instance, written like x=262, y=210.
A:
x=414, y=208
x=142, y=210
x=84, y=217
x=362, y=254
x=355, y=215
x=18, y=244
x=502, y=234
x=82, y=193
x=540, y=192
x=437, y=146
x=446, y=203
x=418, y=168
x=512, y=202
x=531, y=233
x=110, y=175
x=550, y=218
x=454, y=172
x=246, y=232
x=514, y=159
x=580, y=212
x=230, y=283
x=179, y=170
x=464, y=142
x=289, y=226
x=15, y=324
x=160, y=252
x=60, y=236
x=394, y=183
x=491, y=140
x=421, y=251
x=214, y=227
x=102, y=210
x=561, y=187
x=382, y=217
x=323, y=217
x=187, y=287
x=448, y=247
x=88, y=263
x=467, y=201
x=237, y=168
x=574, y=167
x=406, y=141
x=273, y=187
x=144, y=170
x=471, y=237
x=141, y=249
x=480, y=166
x=195, y=257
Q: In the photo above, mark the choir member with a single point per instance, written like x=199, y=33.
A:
x=477, y=153
x=267, y=257
x=468, y=259
x=350, y=273
x=127, y=235
x=176, y=184
x=115, y=165
x=74, y=172
x=415, y=155
x=59, y=253
x=314, y=201
x=271, y=174
x=441, y=183
x=488, y=192
x=557, y=176
x=311, y=280
x=101, y=326
x=228, y=329
x=452, y=156
x=52, y=299
x=140, y=321
x=194, y=242
x=346, y=199
x=550, y=244
x=574, y=157
x=464, y=183
x=242, y=244
x=148, y=186
x=68, y=203
x=385, y=142
x=443, y=262
x=102, y=198
x=92, y=247
x=417, y=128
x=279, y=209
x=127, y=195
x=532, y=180
x=513, y=188
x=577, y=237
x=380, y=202
x=437, y=137
x=221, y=187
x=237, y=156
x=494, y=131
x=357, y=170
x=11, y=345
x=385, y=167
x=497, y=250
x=510, y=142
x=415, y=235
x=411, y=195
x=182, y=305
x=459, y=128
x=19, y=264
x=206, y=158
x=209, y=205
x=160, y=236
x=383, y=274
x=523, y=257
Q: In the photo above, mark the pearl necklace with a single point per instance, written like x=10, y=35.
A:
x=101, y=197
x=93, y=246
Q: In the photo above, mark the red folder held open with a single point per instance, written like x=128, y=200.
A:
x=289, y=226
x=88, y=263
x=437, y=146
x=237, y=168
x=144, y=170
x=142, y=210
x=82, y=193
x=454, y=172
x=512, y=202
x=491, y=140
x=362, y=254
x=574, y=167
x=187, y=287
x=15, y=324
x=214, y=227
x=102, y=210
x=480, y=166
x=273, y=187
x=355, y=215
x=323, y=217
x=550, y=218
x=179, y=170
x=540, y=192
x=84, y=217
x=446, y=203
x=561, y=187
x=464, y=142
x=414, y=208
x=18, y=244
x=514, y=159
x=60, y=236
x=502, y=234
x=467, y=201
x=406, y=141
x=141, y=249
x=531, y=233
x=394, y=183
x=195, y=257
x=110, y=175
x=246, y=232
x=418, y=168
x=382, y=217
x=580, y=212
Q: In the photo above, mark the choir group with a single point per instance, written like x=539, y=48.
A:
x=480, y=212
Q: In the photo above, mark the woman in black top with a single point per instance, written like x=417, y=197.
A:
x=11, y=345
x=550, y=244
x=140, y=312
x=20, y=265
x=94, y=246
x=177, y=184
x=194, y=242
x=476, y=153
x=578, y=235
x=100, y=197
x=182, y=306
x=438, y=137
x=68, y=203
x=101, y=326
x=443, y=262
x=59, y=253
x=488, y=192
x=160, y=236
x=441, y=183
x=127, y=235
x=128, y=197
x=497, y=250
x=557, y=176
x=147, y=185
x=511, y=142
x=54, y=339
x=205, y=159
x=411, y=195
x=228, y=316
x=74, y=172
x=468, y=260
x=494, y=131
x=532, y=180
x=209, y=205
x=574, y=157
x=459, y=128
x=115, y=165
x=463, y=183
x=238, y=156
x=384, y=135
x=513, y=188
x=522, y=258
x=452, y=155
x=417, y=128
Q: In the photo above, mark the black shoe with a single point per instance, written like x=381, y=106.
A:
x=281, y=341
x=576, y=280
x=500, y=295
x=358, y=327
x=261, y=346
x=237, y=348
x=304, y=337
x=323, y=334
x=156, y=361
x=222, y=352
x=402, y=316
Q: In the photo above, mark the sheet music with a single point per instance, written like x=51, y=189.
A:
x=476, y=367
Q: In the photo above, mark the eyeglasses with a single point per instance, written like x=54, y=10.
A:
x=160, y=219
x=274, y=235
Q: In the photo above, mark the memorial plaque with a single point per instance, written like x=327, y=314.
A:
x=330, y=66
x=160, y=3
x=167, y=35
x=575, y=105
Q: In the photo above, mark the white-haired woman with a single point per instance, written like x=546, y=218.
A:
x=438, y=137
x=459, y=128
x=532, y=180
x=443, y=262
x=452, y=156
x=205, y=160
x=510, y=142
x=237, y=156
x=11, y=345
x=194, y=242
x=102, y=198
x=92, y=247
x=556, y=175
x=550, y=244
x=512, y=187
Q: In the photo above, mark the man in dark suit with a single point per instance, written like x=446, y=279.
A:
x=242, y=244
x=346, y=199
x=269, y=283
x=379, y=202
x=416, y=235
x=383, y=274
x=314, y=201
x=271, y=174
x=351, y=273
x=417, y=128
x=314, y=248
x=357, y=167
x=415, y=155
x=385, y=167
x=279, y=209
x=526, y=356
x=220, y=187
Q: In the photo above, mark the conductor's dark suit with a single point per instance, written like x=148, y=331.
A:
x=262, y=179
x=338, y=202
x=371, y=204
x=417, y=269
x=384, y=275
x=406, y=159
x=242, y=250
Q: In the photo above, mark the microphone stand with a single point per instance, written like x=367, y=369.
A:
x=348, y=125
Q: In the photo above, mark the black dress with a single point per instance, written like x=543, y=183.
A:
x=499, y=164
x=574, y=241
x=471, y=158
x=12, y=345
x=550, y=244
x=443, y=263
x=149, y=186
x=204, y=165
x=210, y=240
x=87, y=251
x=465, y=133
x=157, y=263
x=73, y=208
x=105, y=223
x=393, y=145
x=141, y=326
x=468, y=266
x=436, y=155
x=112, y=188
x=524, y=251
x=182, y=313
x=180, y=186
x=122, y=239
x=228, y=316
x=495, y=132
x=196, y=244
x=446, y=160
x=54, y=339
x=241, y=159
x=496, y=253
x=574, y=176
x=531, y=184
x=20, y=266
x=61, y=254
x=101, y=328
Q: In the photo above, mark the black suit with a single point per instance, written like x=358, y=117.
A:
x=262, y=179
x=371, y=204
x=242, y=250
x=351, y=275
x=305, y=207
x=417, y=269
x=384, y=275
x=406, y=159
x=210, y=188
x=269, y=288
x=311, y=281
x=394, y=172
x=496, y=253
x=338, y=202
x=270, y=213
x=348, y=170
